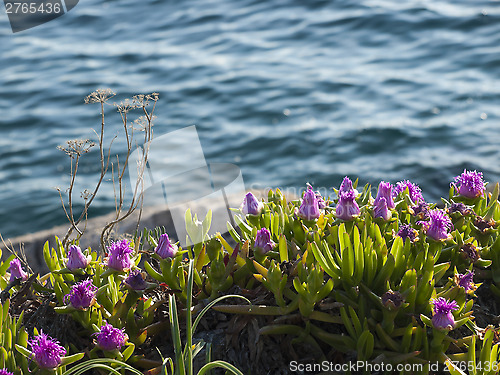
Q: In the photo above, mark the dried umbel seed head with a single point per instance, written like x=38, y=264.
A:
x=125, y=106
x=99, y=96
x=76, y=147
x=469, y=252
x=144, y=123
x=392, y=300
x=142, y=100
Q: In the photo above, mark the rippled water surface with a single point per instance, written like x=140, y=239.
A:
x=290, y=91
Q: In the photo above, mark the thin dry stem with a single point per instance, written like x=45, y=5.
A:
x=21, y=254
x=138, y=101
x=77, y=148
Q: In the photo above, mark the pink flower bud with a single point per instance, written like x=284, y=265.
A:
x=347, y=209
x=76, y=259
x=309, y=209
x=16, y=271
x=251, y=205
x=385, y=191
x=263, y=240
x=165, y=248
x=381, y=210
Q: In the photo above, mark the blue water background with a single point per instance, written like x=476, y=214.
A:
x=290, y=91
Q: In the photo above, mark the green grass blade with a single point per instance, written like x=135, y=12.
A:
x=208, y=356
x=207, y=307
x=176, y=334
x=189, y=327
x=99, y=363
x=221, y=364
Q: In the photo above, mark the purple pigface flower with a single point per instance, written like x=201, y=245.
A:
x=443, y=316
x=392, y=300
x=309, y=209
x=421, y=210
x=460, y=208
x=263, y=241
x=347, y=209
x=470, y=252
x=484, y=225
x=165, y=248
x=16, y=271
x=385, y=191
x=438, y=226
x=135, y=281
x=76, y=259
x=466, y=281
x=82, y=295
x=110, y=338
x=413, y=189
x=407, y=232
x=46, y=351
x=251, y=205
x=470, y=184
x=381, y=210
x=346, y=185
x=320, y=199
x=4, y=371
x=119, y=255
